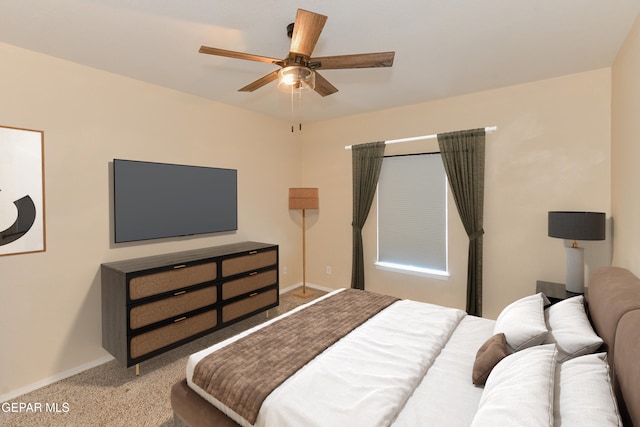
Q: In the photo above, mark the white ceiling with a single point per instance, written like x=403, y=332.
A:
x=443, y=47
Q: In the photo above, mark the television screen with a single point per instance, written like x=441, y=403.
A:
x=157, y=200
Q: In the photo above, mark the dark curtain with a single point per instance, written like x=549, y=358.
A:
x=367, y=162
x=463, y=157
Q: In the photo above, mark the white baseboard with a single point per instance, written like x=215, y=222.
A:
x=309, y=285
x=47, y=381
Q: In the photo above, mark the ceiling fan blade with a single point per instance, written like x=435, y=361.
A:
x=237, y=55
x=361, y=60
x=323, y=87
x=260, y=82
x=306, y=31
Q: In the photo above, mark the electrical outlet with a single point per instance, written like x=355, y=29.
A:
x=284, y=270
x=328, y=269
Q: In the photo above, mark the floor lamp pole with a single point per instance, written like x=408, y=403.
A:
x=303, y=199
x=304, y=292
x=304, y=255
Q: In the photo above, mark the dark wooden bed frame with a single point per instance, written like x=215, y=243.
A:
x=614, y=307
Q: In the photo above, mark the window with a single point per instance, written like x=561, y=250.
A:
x=412, y=214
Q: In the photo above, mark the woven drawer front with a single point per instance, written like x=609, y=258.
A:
x=242, y=264
x=248, y=284
x=248, y=305
x=156, y=311
x=166, y=335
x=166, y=281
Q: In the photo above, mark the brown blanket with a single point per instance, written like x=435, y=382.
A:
x=241, y=375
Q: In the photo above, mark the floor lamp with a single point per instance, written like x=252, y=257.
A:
x=576, y=226
x=303, y=198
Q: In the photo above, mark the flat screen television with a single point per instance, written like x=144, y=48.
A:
x=159, y=200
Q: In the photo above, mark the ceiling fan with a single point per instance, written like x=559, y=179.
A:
x=299, y=69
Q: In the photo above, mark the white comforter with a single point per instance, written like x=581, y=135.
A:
x=452, y=398
x=368, y=377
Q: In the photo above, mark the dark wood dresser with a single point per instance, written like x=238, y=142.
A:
x=153, y=304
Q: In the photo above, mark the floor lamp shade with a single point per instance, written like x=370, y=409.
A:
x=303, y=198
x=576, y=226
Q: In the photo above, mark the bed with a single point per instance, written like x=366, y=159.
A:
x=404, y=363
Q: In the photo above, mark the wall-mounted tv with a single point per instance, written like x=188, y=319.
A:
x=159, y=200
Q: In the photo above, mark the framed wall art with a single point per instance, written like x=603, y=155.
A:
x=22, y=219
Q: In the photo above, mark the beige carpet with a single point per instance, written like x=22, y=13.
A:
x=111, y=395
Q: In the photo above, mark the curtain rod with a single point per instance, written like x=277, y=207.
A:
x=419, y=138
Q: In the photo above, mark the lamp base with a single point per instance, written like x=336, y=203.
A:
x=304, y=293
x=575, y=270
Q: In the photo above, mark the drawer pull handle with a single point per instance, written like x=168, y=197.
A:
x=253, y=294
x=179, y=266
x=180, y=319
x=253, y=273
x=253, y=252
x=175, y=294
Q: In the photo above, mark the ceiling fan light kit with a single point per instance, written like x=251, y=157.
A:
x=296, y=77
x=299, y=69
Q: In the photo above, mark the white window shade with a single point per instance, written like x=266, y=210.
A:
x=412, y=213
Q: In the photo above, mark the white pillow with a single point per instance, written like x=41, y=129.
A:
x=519, y=390
x=570, y=330
x=583, y=393
x=522, y=322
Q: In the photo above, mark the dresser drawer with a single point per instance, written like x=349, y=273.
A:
x=182, y=302
x=156, y=339
x=252, y=261
x=166, y=281
x=248, y=305
x=248, y=284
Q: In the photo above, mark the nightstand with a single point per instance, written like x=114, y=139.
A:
x=555, y=292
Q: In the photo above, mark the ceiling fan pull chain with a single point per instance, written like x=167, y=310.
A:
x=292, y=114
x=300, y=108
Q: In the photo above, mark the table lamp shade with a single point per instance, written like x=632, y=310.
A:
x=577, y=225
x=303, y=198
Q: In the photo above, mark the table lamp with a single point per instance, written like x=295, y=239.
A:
x=576, y=226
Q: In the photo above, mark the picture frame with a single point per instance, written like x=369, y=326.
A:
x=22, y=206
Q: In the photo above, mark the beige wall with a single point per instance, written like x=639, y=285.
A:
x=550, y=152
x=625, y=153
x=50, y=306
